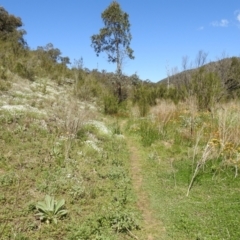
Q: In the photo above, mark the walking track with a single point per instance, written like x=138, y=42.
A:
x=153, y=229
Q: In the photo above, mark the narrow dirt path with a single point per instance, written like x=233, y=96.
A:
x=152, y=229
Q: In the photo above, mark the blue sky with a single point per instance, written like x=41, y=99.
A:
x=163, y=31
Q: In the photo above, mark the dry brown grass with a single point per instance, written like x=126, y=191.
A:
x=163, y=111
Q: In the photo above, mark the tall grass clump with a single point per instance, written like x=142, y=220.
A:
x=164, y=112
x=148, y=132
x=219, y=150
x=228, y=134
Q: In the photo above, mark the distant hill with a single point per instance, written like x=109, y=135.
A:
x=227, y=68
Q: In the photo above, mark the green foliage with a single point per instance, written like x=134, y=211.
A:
x=87, y=87
x=207, y=88
x=115, y=37
x=48, y=62
x=234, y=71
x=147, y=130
x=232, y=83
x=173, y=94
x=82, y=134
x=143, y=106
x=15, y=58
x=20, y=236
x=193, y=217
x=8, y=179
x=50, y=210
x=108, y=222
x=4, y=85
x=144, y=96
x=110, y=103
x=23, y=71
x=116, y=129
x=3, y=73
x=9, y=25
x=53, y=54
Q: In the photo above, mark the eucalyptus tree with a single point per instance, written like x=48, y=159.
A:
x=115, y=37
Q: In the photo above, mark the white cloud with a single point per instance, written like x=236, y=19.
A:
x=238, y=16
x=222, y=23
x=201, y=28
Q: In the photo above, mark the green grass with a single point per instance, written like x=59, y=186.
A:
x=36, y=161
x=211, y=211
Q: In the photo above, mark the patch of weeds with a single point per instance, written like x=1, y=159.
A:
x=77, y=191
x=123, y=109
x=4, y=85
x=116, y=162
x=43, y=86
x=20, y=236
x=23, y=71
x=97, y=131
x=57, y=153
x=189, y=121
x=82, y=134
x=87, y=130
x=116, y=173
x=8, y=117
x=53, y=180
x=109, y=223
x=116, y=129
x=8, y=179
x=124, y=221
x=146, y=129
x=148, y=132
x=3, y=73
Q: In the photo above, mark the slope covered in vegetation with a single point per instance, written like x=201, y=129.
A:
x=82, y=158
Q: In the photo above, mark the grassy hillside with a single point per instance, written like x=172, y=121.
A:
x=53, y=144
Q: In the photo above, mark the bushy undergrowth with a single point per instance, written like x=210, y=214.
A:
x=110, y=103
